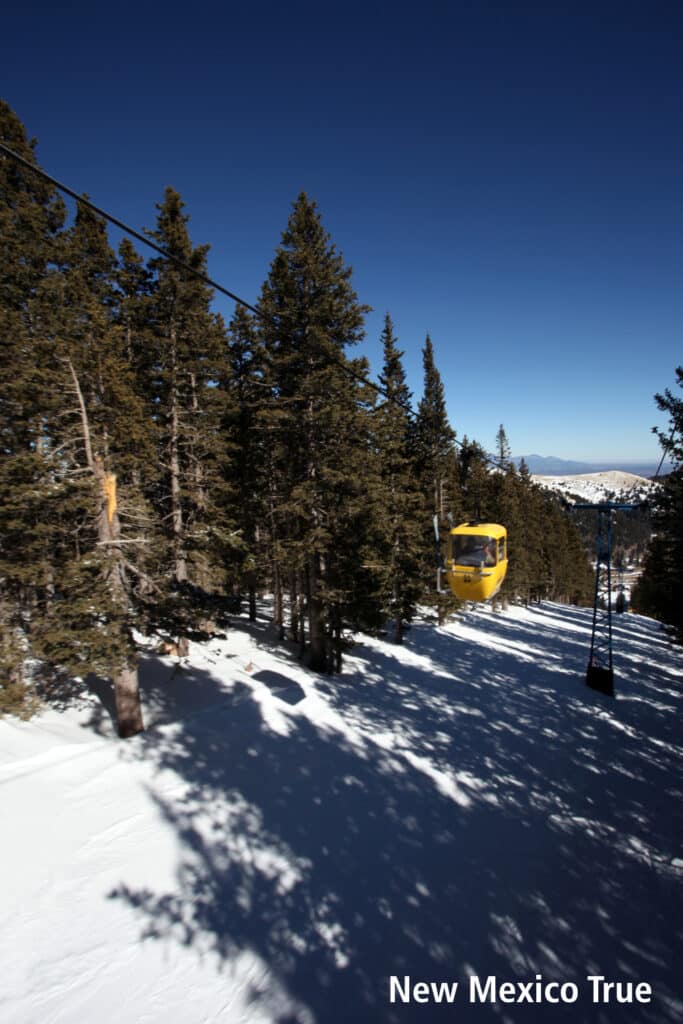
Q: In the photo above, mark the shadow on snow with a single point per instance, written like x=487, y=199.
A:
x=465, y=810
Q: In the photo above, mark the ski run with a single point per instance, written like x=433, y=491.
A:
x=457, y=829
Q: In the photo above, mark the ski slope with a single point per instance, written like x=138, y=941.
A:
x=276, y=848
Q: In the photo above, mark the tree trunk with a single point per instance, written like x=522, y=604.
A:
x=301, y=613
x=125, y=678
x=252, y=597
x=398, y=626
x=317, y=658
x=278, y=617
x=127, y=696
x=293, y=606
x=179, y=553
x=337, y=635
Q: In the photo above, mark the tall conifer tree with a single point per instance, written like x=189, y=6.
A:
x=436, y=465
x=402, y=510
x=31, y=217
x=319, y=451
x=246, y=447
x=98, y=441
x=189, y=353
x=660, y=589
x=435, y=438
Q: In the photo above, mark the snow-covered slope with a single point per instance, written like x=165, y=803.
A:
x=613, y=485
x=276, y=847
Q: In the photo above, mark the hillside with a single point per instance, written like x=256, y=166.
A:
x=550, y=465
x=274, y=848
x=612, y=485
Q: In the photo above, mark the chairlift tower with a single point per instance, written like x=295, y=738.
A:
x=600, y=673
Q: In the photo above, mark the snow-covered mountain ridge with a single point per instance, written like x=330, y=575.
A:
x=612, y=485
x=550, y=465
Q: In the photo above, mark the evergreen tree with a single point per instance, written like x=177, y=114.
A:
x=318, y=431
x=189, y=355
x=524, y=524
x=31, y=217
x=503, y=452
x=98, y=440
x=246, y=446
x=474, y=479
x=659, y=591
x=131, y=311
x=437, y=471
x=62, y=572
x=401, y=512
x=435, y=437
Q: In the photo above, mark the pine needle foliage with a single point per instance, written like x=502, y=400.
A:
x=401, y=511
x=318, y=432
x=659, y=591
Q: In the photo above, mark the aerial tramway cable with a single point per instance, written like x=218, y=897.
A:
x=264, y=317
x=84, y=201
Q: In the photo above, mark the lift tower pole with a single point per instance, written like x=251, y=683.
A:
x=600, y=674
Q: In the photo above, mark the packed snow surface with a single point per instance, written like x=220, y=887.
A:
x=611, y=485
x=276, y=846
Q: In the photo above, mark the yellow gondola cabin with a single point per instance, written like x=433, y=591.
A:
x=476, y=560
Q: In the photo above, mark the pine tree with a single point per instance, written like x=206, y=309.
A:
x=659, y=591
x=509, y=502
x=246, y=447
x=503, y=452
x=131, y=310
x=523, y=522
x=401, y=512
x=31, y=217
x=474, y=480
x=188, y=359
x=318, y=431
x=437, y=471
x=434, y=436
x=98, y=440
x=62, y=579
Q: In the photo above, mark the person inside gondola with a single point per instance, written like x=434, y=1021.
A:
x=475, y=550
x=490, y=551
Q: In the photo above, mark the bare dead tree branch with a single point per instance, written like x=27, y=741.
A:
x=84, y=420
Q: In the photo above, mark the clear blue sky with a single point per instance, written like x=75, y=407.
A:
x=505, y=176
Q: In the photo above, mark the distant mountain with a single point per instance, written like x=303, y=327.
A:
x=611, y=485
x=549, y=465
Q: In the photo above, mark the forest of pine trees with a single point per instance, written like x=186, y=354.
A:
x=161, y=469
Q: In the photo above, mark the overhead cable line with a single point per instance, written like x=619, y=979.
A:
x=264, y=317
x=128, y=230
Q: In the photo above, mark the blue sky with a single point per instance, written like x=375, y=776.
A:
x=507, y=177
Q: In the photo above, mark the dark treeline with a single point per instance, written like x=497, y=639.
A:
x=659, y=591
x=160, y=468
x=631, y=532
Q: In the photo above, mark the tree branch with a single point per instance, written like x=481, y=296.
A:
x=84, y=420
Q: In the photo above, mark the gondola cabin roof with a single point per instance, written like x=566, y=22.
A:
x=480, y=529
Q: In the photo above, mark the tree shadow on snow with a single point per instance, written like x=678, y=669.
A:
x=283, y=687
x=465, y=811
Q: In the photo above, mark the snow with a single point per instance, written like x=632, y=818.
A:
x=611, y=485
x=276, y=846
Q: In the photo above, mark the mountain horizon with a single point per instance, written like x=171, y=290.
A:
x=551, y=465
